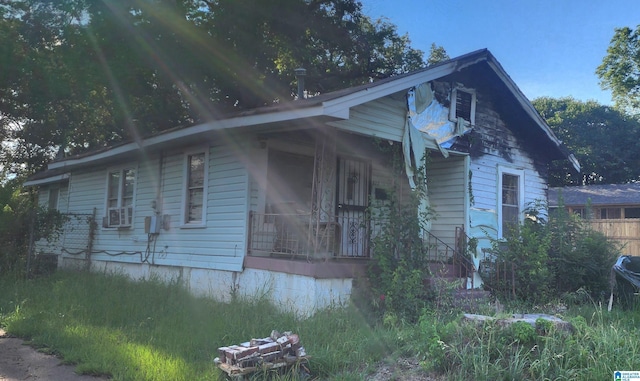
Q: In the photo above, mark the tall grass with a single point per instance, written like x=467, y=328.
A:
x=149, y=330
x=107, y=324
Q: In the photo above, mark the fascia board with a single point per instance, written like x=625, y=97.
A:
x=339, y=107
x=48, y=180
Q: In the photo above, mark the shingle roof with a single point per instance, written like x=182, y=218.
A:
x=609, y=194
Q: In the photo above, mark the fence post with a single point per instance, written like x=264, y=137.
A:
x=92, y=230
x=513, y=280
x=30, y=244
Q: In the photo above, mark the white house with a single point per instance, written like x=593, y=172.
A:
x=274, y=201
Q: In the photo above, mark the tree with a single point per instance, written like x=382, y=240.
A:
x=80, y=74
x=620, y=68
x=605, y=141
x=437, y=54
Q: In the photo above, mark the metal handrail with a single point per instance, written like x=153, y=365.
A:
x=456, y=256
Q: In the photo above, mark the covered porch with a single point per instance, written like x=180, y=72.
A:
x=321, y=197
x=314, y=200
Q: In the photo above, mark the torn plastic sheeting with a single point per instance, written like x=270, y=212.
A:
x=432, y=118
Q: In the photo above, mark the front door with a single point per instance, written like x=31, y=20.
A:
x=353, y=199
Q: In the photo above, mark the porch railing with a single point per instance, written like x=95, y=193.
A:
x=498, y=274
x=303, y=236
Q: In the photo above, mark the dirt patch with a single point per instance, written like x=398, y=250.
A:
x=19, y=361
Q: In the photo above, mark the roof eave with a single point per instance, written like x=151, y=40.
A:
x=530, y=110
x=48, y=180
x=194, y=131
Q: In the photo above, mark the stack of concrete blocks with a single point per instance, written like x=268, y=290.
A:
x=277, y=348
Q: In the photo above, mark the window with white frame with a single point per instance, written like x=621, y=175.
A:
x=195, y=195
x=120, y=191
x=463, y=105
x=510, y=199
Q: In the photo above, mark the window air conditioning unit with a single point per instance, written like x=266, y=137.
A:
x=120, y=217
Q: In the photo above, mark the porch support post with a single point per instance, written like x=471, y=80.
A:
x=323, y=183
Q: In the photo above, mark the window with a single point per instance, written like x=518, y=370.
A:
x=120, y=191
x=610, y=213
x=631, y=212
x=582, y=212
x=463, y=105
x=195, y=195
x=54, y=194
x=290, y=180
x=511, y=199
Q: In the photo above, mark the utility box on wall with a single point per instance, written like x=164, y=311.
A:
x=152, y=224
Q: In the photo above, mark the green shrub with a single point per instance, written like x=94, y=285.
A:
x=399, y=267
x=22, y=221
x=553, y=259
x=521, y=332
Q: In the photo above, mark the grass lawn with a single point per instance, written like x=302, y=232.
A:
x=107, y=324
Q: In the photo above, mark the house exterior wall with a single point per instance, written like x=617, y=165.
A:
x=220, y=244
x=499, y=150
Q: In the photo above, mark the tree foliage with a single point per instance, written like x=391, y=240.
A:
x=620, y=68
x=81, y=74
x=23, y=222
x=605, y=141
x=437, y=54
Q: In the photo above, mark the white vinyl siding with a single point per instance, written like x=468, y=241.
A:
x=159, y=182
x=221, y=243
x=447, y=185
x=383, y=118
x=194, y=188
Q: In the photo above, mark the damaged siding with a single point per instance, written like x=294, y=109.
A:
x=494, y=146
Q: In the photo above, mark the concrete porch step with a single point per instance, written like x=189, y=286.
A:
x=469, y=299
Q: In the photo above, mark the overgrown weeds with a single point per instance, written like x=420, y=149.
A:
x=149, y=330
x=546, y=259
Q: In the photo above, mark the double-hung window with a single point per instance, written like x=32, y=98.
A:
x=195, y=188
x=120, y=191
x=510, y=199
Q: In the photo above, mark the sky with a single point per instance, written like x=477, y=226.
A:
x=548, y=47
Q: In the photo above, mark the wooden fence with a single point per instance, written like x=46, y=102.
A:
x=625, y=231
